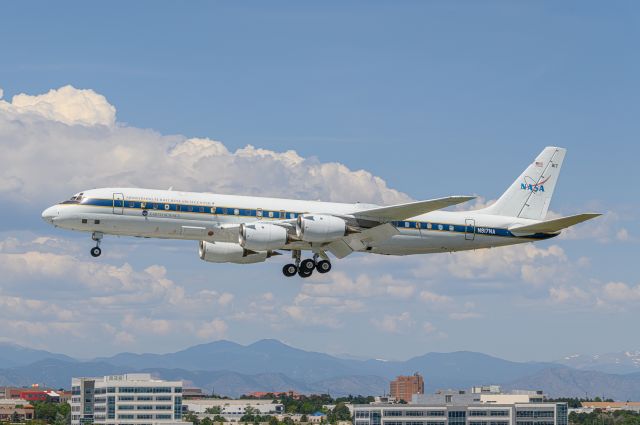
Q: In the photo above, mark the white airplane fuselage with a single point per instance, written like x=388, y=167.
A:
x=251, y=229
x=200, y=216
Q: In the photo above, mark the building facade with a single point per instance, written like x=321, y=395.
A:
x=132, y=399
x=404, y=387
x=12, y=410
x=461, y=414
x=230, y=409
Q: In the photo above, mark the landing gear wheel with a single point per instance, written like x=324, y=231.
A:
x=289, y=270
x=308, y=265
x=323, y=266
x=96, y=251
x=304, y=273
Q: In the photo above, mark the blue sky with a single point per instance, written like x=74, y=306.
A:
x=434, y=98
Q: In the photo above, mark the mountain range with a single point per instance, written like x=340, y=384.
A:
x=624, y=362
x=269, y=365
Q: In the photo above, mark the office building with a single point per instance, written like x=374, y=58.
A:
x=475, y=407
x=131, y=399
x=404, y=387
x=484, y=394
x=233, y=408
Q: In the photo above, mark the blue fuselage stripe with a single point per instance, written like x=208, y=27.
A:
x=228, y=211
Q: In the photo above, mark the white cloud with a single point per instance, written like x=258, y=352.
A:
x=431, y=330
x=622, y=234
x=621, y=292
x=433, y=298
x=99, y=154
x=67, y=105
x=527, y=262
x=568, y=294
x=394, y=323
x=429, y=327
x=225, y=298
x=302, y=315
x=214, y=329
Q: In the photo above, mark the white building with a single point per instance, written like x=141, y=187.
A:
x=234, y=407
x=484, y=394
x=459, y=414
x=131, y=399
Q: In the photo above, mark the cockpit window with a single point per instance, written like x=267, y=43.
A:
x=75, y=199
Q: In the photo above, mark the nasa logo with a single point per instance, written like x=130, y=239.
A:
x=145, y=213
x=531, y=185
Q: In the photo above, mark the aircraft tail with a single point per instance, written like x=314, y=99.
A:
x=530, y=195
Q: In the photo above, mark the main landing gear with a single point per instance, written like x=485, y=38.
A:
x=96, y=251
x=305, y=268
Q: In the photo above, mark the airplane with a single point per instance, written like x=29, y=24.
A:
x=250, y=229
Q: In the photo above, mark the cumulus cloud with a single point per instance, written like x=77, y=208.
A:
x=70, y=133
x=54, y=293
x=394, y=323
x=67, y=105
x=528, y=262
x=431, y=330
x=621, y=292
x=214, y=329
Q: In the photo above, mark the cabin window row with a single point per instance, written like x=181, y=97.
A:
x=200, y=209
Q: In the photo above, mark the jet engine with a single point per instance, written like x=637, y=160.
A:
x=320, y=228
x=227, y=252
x=262, y=236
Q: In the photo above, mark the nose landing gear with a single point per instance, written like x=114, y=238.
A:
x=96, y=251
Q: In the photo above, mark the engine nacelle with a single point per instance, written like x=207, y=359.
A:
x=227, y=252
x=320, y=228
x=262, y=236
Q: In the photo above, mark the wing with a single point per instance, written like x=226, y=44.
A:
x=356, y=242
x=552, y=226
x=368, y=226
x=411, y=209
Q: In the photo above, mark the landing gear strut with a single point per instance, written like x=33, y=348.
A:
x=305, y=268
x=96, y=251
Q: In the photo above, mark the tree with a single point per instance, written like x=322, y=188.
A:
x=191, y=417
x=218, y=418
x=214, y=410
x=206, y=421
x=249, y=414
x=341, y=413
x=273, y=420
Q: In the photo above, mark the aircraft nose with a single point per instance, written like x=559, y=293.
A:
x=49, y=214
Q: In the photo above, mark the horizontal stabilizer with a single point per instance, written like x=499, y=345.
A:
x=552, y=226
x=411, y=209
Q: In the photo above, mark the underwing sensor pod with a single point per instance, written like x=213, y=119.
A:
x=247, y=229
x=225, y=252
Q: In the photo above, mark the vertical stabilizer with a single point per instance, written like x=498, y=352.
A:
x=530, y=195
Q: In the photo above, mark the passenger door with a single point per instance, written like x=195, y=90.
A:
x=118, y=203
x=470, y=229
